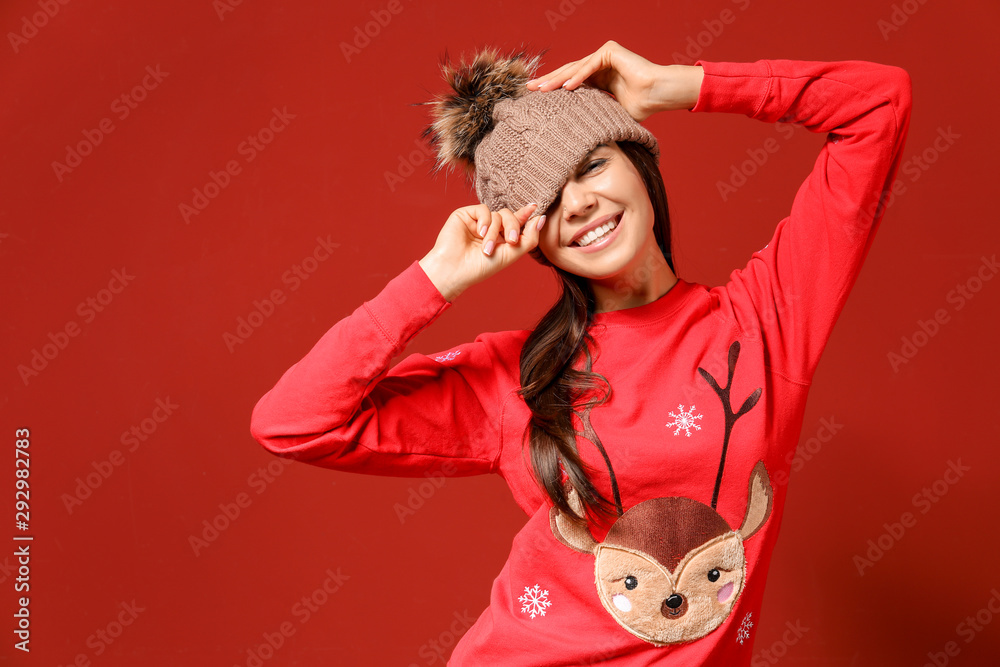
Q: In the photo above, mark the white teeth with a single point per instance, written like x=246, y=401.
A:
x=597, y=234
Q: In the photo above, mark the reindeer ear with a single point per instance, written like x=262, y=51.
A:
x=761, y=498
x=570, y=533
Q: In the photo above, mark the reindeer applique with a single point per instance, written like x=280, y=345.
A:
x=671, y=569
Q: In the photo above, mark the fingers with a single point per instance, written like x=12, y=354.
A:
x=491, y=228
x=553, y=79
x=505, y=226
x=570, y=75
x=582, y=70
x=574, y=73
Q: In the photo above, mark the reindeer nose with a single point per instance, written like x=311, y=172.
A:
x=674, y=606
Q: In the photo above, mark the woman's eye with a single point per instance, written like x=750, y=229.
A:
x=593, y=165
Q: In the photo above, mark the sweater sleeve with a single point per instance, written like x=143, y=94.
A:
x=342, y=407
x=793, y=290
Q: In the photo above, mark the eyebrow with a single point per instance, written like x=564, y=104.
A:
x=587, y=156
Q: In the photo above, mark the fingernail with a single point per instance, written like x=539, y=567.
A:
x=512, y=235
x=488, y=248
x=541, y=221
x=482, y=230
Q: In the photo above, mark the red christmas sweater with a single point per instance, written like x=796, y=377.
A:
x=709, y=386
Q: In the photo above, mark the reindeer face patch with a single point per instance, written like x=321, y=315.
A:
x=657, y=588
x=671, y=569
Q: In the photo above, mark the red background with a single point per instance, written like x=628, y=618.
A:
x=325, y=175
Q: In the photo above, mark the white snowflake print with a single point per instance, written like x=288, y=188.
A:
x=448, y=357
x=535, y=601
x=684, y=421
x=744, y=632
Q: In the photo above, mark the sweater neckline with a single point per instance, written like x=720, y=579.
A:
x=646, y=313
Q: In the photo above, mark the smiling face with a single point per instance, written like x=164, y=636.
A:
x=604, y=187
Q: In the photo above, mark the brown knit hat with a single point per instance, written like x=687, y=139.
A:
x=520, y=146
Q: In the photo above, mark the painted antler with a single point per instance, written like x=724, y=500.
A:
x=670, y=570
x=727, y=407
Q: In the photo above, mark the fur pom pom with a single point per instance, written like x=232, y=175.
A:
x=464, y=116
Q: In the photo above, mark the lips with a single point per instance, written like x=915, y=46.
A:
x=594, y=225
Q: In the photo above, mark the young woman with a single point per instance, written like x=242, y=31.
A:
x=647, y=424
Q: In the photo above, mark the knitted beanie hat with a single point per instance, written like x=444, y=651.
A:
x=521, y=146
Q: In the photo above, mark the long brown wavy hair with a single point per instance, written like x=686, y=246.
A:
x=550, y=385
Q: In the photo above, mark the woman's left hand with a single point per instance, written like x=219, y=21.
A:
x=640, y=86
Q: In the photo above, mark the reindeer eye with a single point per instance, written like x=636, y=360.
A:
x=713, y=575
x=631, y=582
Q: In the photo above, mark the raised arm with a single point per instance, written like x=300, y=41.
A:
x=794, y=289
x=342, y=407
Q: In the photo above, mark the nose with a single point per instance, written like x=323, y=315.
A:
x=674, y=606
x=577, y=200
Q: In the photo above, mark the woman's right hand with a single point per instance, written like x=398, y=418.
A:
x=476, y=243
